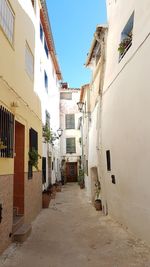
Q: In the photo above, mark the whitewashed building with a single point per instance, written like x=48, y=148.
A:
x=47, y=87
x=125, y=116
x=91, y=97
x=71, y=138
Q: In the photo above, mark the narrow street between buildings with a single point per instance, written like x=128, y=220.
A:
x=71, y=233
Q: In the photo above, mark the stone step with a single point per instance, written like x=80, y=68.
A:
x=18, y=221
x=22, y=233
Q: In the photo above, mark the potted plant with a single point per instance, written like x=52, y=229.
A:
x=125, y=43
x=98, y=202
x=81, y=178
x=45, y=198
x=33, y=158
x=2, y=146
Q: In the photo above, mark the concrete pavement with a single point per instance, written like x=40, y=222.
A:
x=71, y=233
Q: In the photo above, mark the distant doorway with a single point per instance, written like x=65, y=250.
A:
x=18, y=189
x=71, y=172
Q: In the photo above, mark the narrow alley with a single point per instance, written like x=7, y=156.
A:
x=71, y=233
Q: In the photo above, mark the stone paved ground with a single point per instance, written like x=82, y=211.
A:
x=72, y=234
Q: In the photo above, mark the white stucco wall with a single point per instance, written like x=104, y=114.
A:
x=49, y=100
x=125, y=123
x=70, y=107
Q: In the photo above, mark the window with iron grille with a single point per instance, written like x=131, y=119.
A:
x=70, y=121
x=6, y=133
x=70, y=145
x=33, y=144
x=7, y=19
x=33, y=139
x=66, y=96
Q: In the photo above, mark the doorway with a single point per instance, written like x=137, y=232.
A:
x=71, y=172
x=18, y=189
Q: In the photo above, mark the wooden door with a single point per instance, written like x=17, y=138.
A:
x=71, y=171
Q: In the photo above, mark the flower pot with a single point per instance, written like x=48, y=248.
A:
x=98, y=204
x=45, y=200
x=81, y=185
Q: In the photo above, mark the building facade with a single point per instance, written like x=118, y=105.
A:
x=47, y=87
x=125, y=109
x=91, y=97
x=71, y=138
x=20, y=118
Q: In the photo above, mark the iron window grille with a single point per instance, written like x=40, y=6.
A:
x=6, y=133
x=33, y=144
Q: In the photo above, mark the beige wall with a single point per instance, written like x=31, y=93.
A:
x=6, y=196
x=17, y=86
x=125, y=122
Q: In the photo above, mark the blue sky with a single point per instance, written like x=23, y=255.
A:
x=73, y=24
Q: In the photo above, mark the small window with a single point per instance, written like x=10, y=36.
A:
x=46, y=81
x=29, y=62
x=33, y=139
x=7, y=19
x=46, y=47
x=70, y=121
x=41, y=33
x=126, y=38
x=33, y=144
x=70, y=145
x=43, y=170
x=66, y=96
x=6, y=133
x=108, y=160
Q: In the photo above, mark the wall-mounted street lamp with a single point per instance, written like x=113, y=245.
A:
x=80, y=105
x=82, y=108
x=59, y=132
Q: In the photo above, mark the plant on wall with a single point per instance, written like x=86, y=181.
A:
x=81, y=178
x=33, y=158
x=125, y=44
x=47, y=133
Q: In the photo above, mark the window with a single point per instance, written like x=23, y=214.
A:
x=29, y=62
x=126, y=38
x=70, y=121
x=46, y=47
x=43, y=170
x=66, y=96
x=33, y=139
x=46, y=81
x=108, y=159
x=6, y=133
x=33, y=144
x=70, y=145
x=7, y=20
x=41, y=33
